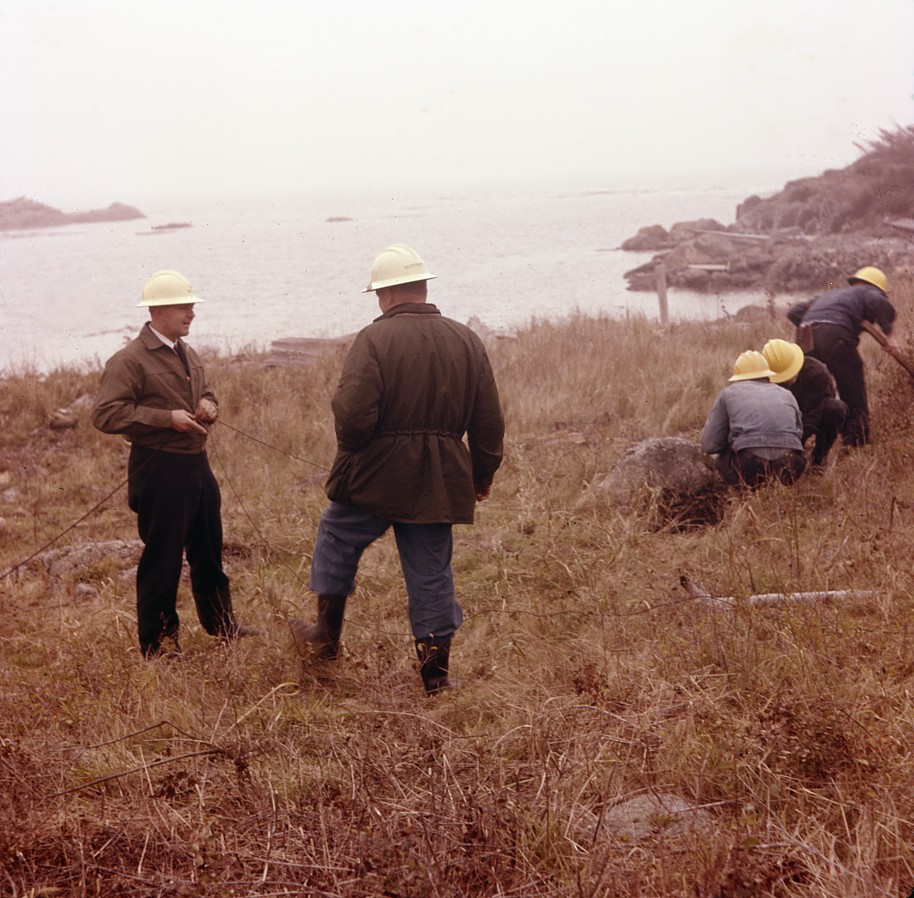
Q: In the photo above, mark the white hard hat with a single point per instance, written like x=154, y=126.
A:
x=398, y=264
x=167, y=288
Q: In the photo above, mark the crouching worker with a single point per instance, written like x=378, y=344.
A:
x=754, y=427
x=154, y=392
x=413, y=384
x=813, y=387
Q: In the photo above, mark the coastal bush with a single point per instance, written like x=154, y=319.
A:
x=592, y=678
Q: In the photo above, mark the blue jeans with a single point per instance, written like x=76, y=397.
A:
x=425, y=550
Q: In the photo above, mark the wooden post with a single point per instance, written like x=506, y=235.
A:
x=660, y=277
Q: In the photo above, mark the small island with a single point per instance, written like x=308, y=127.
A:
x=23, y=214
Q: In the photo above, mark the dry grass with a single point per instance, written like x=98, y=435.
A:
x=591, y=677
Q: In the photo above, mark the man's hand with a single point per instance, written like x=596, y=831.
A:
x=482, y=492
x=185, y=422
x=206, y=411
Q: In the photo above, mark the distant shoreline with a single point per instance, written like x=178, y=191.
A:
x=24, y=214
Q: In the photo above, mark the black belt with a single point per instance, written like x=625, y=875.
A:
x=815, y=324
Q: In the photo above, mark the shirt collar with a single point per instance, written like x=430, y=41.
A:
x=169, y=343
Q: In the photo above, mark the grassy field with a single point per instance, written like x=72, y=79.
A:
x=592, y=679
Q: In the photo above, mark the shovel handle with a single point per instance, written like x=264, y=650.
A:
x=880, y=338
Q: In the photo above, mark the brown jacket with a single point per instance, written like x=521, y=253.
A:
x=413, y=385
x=141, y=385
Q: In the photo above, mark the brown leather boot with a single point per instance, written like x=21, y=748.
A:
x=434, y=658
x=323, y=636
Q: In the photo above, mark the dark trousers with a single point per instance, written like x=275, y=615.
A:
x=834, y=413
x=179, y=510
x=837, y=348
x=744, y=468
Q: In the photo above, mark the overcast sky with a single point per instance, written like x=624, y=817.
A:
x=104, y=100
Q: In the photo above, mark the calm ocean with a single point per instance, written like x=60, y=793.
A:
x=294, y=266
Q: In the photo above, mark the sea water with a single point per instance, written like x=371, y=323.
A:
x=294, y=266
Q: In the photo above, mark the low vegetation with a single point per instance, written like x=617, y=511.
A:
x=770, y=744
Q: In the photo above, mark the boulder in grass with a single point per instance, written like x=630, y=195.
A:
x=653, y=815
x=669, y=476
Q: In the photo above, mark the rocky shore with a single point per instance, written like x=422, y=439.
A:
x=807, y=237
x=23, y=214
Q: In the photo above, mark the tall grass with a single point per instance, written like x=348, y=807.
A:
x=590, y=676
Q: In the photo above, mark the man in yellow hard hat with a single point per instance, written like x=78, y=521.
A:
x=413, y=386
x=813, y=387
x=154, y=392
x=828, y=328
x=754, y=427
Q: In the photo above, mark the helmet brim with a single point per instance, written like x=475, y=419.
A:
x=753, y=375
x=374, y=286
x=180, y=301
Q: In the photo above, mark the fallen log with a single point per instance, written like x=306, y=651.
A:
x=696, y=591
x=305, y=350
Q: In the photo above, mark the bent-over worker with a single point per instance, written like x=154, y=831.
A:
x=834, y=321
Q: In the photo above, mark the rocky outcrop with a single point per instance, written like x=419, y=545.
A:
x=807, y=237
x=22, y=214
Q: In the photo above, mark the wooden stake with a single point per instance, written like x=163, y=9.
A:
x=660, y=278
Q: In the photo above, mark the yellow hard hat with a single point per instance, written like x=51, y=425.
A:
x=751, y=365
x=870, y=275
x=167, y=288
x=784, y=358
x=398, y=264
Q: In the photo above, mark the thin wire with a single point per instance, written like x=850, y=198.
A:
x=269, y=446
x=76, y=523
x=247, y=514
x=99, y=504
x=296, y=574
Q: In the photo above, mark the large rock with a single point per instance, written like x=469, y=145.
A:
x=642, y=818
x=650, y=239
x=670, y=464
x=670, y=477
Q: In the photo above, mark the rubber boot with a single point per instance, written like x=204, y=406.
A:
x=323, y=636
x=434, y=659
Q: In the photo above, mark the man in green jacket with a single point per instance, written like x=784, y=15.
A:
x=414, y=384
x=154, y=393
